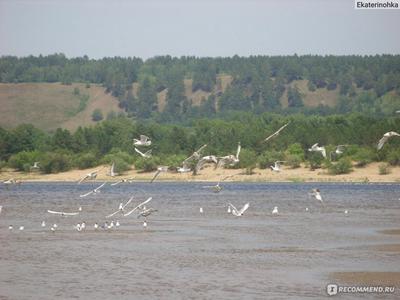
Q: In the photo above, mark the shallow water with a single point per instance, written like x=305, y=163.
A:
x=187, y=255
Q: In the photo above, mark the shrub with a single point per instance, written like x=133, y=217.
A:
x=97, y=115
x=393, y=157
x=174, y=161
x=121, y=159
x=293, y=161
x=22, y=161
x=147, y=164
x=315, y=159
x=295, y=149
x=85, y=160
x=363, y=157
x=248, y=160
x=53, y=162
x=343, y=166
x=384, y=169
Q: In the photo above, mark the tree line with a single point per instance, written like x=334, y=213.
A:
x=111, y=140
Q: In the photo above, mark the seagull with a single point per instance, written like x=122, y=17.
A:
x=229, y=209
x=52, y=229
x=80, y=208
x=95, y=191
x=130, y=180
x=240, y=212
x=201, y=210
x=196, y=156
x=144, y=141
x=139, y=206
x=147, y=212
x=121, y=208
x=21, y=228
x=55, y=225
x=12, y=181
x=229, y=159
x=117, y=224
x=217, y=188
x=277, y=166
x=89, y=176
x=83, y=225
x=35, y=165
x=316, y=194
x=1, y=208
x=43, y=224
x=203, y=161
x=338, y=151
x=276, y=133
x=147, y=154
x=346, y=212
x=10, y=227
x=385, y=137
x=62, y=213
x=159, y=170
x=144, y=224
x=78, y=227
x=111, y=172
x=275, y=210
x=96, y=226
x=315, y=148
x=306, y=208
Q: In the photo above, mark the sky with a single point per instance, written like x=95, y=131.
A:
x=106, y=28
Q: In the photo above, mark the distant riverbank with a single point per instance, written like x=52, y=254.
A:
x=370, y=173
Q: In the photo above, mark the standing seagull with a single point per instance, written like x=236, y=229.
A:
x=144, y=141
x=121, y=208
x=315, y=148
x=147, y=154
x=240, y=212
x=229, y=159
x=275, y=210
x=276, y=133
x=95, y=191
x=138, y=206
x=159, y=170
x=385, y=137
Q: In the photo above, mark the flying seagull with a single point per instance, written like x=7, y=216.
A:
x=89, y=176
x=276, y=133
x=95, y=191
x=147, y=154
x=159, y=170
x=277, y=166
x=144, y=141
x=121, y=208
x=130, y=180
x=229, y=159
x=203, y=161
x=138, y=206
x=217, y=188
x=338, y=151
x=315, y=148
x=240, y=212
x=147, y=212
x=385, y=137
x=316, y=194
x=62, y=213
x=35, y=165
x=112, y=172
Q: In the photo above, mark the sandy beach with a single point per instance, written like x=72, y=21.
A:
x=370, y=173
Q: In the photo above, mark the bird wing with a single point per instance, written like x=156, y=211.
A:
x=138, y=151
x=244, y=208
x=221, y=162
x=112, y=169
x=87, y=194
x=115, y=183
x=82, y=179
x=276, y=132
x=55, y=212
x=148, y=153
x=140, y=205
x=71, y=214
x=129, y=201
x=201, y=148
x=155, y=176
x=114, y=213
x=323, y=151
x=238, y=151
x=233, y=207
x=382, y=141
x=100, y=186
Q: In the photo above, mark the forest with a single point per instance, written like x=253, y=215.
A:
x=365, y=84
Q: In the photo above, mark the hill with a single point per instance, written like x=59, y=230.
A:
x=52, y=105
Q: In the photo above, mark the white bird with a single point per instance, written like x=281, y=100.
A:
x=89, y=176
x=201, y=210
x=144, y=224
x=229, y=209
x=277, y=132
x=10, y=227
x=159, y=170
x=147, y=154
x=275, y=210
x=240, y=212
x=111, y=225
x=346, y=212
x=35, y=165
x=62, y=213
x=12, y=181
x=55, y=225
x=144, y=141
x=316, y=194
x=229, y=159
x=78, y=227
x=277, y=166
x=21, y=228
x=52, y=229
x=117, y=224
x=217, y=188
x=111, y=172
x=188, y=162
x=204, y=160
x=80, y=208
x=385, y=137
x=315, y=148
x=338, y=151
x=183, y=169
x=96, y=226
x=130, y=180
x=147, y=212
x=306, y=208
x=121, y=208
x=1, y=208
x=83, y=225
x=43, y=224
x=95, y=191
x=138, y=206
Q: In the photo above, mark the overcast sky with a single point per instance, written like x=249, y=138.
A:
x=190, y=27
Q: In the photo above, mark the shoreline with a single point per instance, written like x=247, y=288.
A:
x=367, y=174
